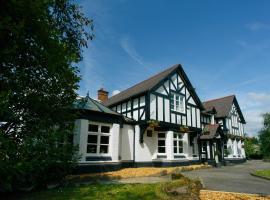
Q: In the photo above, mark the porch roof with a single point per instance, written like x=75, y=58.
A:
x=210, y=131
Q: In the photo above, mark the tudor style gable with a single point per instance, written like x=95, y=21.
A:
x=228, y=114
x=172, y=101
x=167, y=97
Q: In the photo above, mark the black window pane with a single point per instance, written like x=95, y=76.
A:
x=174, y=143
x=103, y=149
x=161, y=143
x=91, y=148
x=180, y=143
x=105, y=129
x=161, y=149
x=104, y=140
x=175, y=135
x=93, y=128
x=175, y=149
x=161, y=135
x=92, y=139
x=180, y=150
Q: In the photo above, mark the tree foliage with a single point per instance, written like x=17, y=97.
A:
x=264, y=136
x=252, y=148
x=39, y=43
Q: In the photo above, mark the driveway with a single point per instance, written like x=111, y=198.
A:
x=235, y=178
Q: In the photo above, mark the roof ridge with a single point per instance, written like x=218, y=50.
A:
x=147, y=79
x=219, y=98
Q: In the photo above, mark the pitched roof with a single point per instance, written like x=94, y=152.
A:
x=150, y=83
x=87, y=103
x=223, y=106
x=210, y=131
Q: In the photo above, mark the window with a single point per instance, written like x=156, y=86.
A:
x=178, y=103
x=177, y=143
x=161, y=143
x=98, y=139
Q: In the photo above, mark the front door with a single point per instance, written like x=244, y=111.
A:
x=204, y=151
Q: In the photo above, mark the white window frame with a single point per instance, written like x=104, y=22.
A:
x=178, y=139
x=99, y=134
x=161, y=139
x=177, y=97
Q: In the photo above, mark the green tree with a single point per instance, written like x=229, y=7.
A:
x=264, y=136
x=40, y=42
x=252, y=147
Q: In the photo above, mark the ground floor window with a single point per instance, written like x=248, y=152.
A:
x=98, y=139
x=177, y=143
x=161, y=143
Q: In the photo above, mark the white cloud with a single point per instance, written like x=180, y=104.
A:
x=115, y=92
x=129, y=48
x=255, y=26
x=253, y=105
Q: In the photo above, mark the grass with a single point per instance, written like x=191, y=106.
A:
x=121, y=191
x=263, y=173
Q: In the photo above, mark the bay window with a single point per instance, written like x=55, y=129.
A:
x=98, y=139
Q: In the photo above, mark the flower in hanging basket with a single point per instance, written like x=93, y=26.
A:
x=243, y=145
x=153, y=123
x=184, y=129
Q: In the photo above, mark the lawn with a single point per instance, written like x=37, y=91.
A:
x=182, y=188
x=263, y=173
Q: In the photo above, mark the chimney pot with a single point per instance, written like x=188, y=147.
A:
x=102, y=95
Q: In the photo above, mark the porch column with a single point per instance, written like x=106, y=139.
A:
x=169, y=145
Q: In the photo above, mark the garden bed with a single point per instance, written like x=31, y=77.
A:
x=219, y=195
x=134, y=172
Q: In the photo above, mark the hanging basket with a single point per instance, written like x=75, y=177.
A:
x=184, y=129
x=153, y=123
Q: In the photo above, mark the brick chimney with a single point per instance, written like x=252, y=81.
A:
x=102, y=95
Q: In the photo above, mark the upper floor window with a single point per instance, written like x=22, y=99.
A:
x=98, y=139
x=178, y=103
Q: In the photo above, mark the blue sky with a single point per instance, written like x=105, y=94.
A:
x=224, y=47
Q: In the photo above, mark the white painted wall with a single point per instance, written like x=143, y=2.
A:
x=144, y=151
x=114, y=142
x=127, y=135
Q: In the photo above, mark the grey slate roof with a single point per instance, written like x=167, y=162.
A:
x=223, y=106
x=87, y=103
x=210, y=131
x=150, y=83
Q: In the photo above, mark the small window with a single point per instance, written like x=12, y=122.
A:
x=161, y=143
x=149, y=133
x=93, y=128
x=178, y=103
x=105, y=129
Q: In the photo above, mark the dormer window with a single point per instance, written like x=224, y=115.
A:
x=177, y=103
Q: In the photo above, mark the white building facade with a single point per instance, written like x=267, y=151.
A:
x=157, y=122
